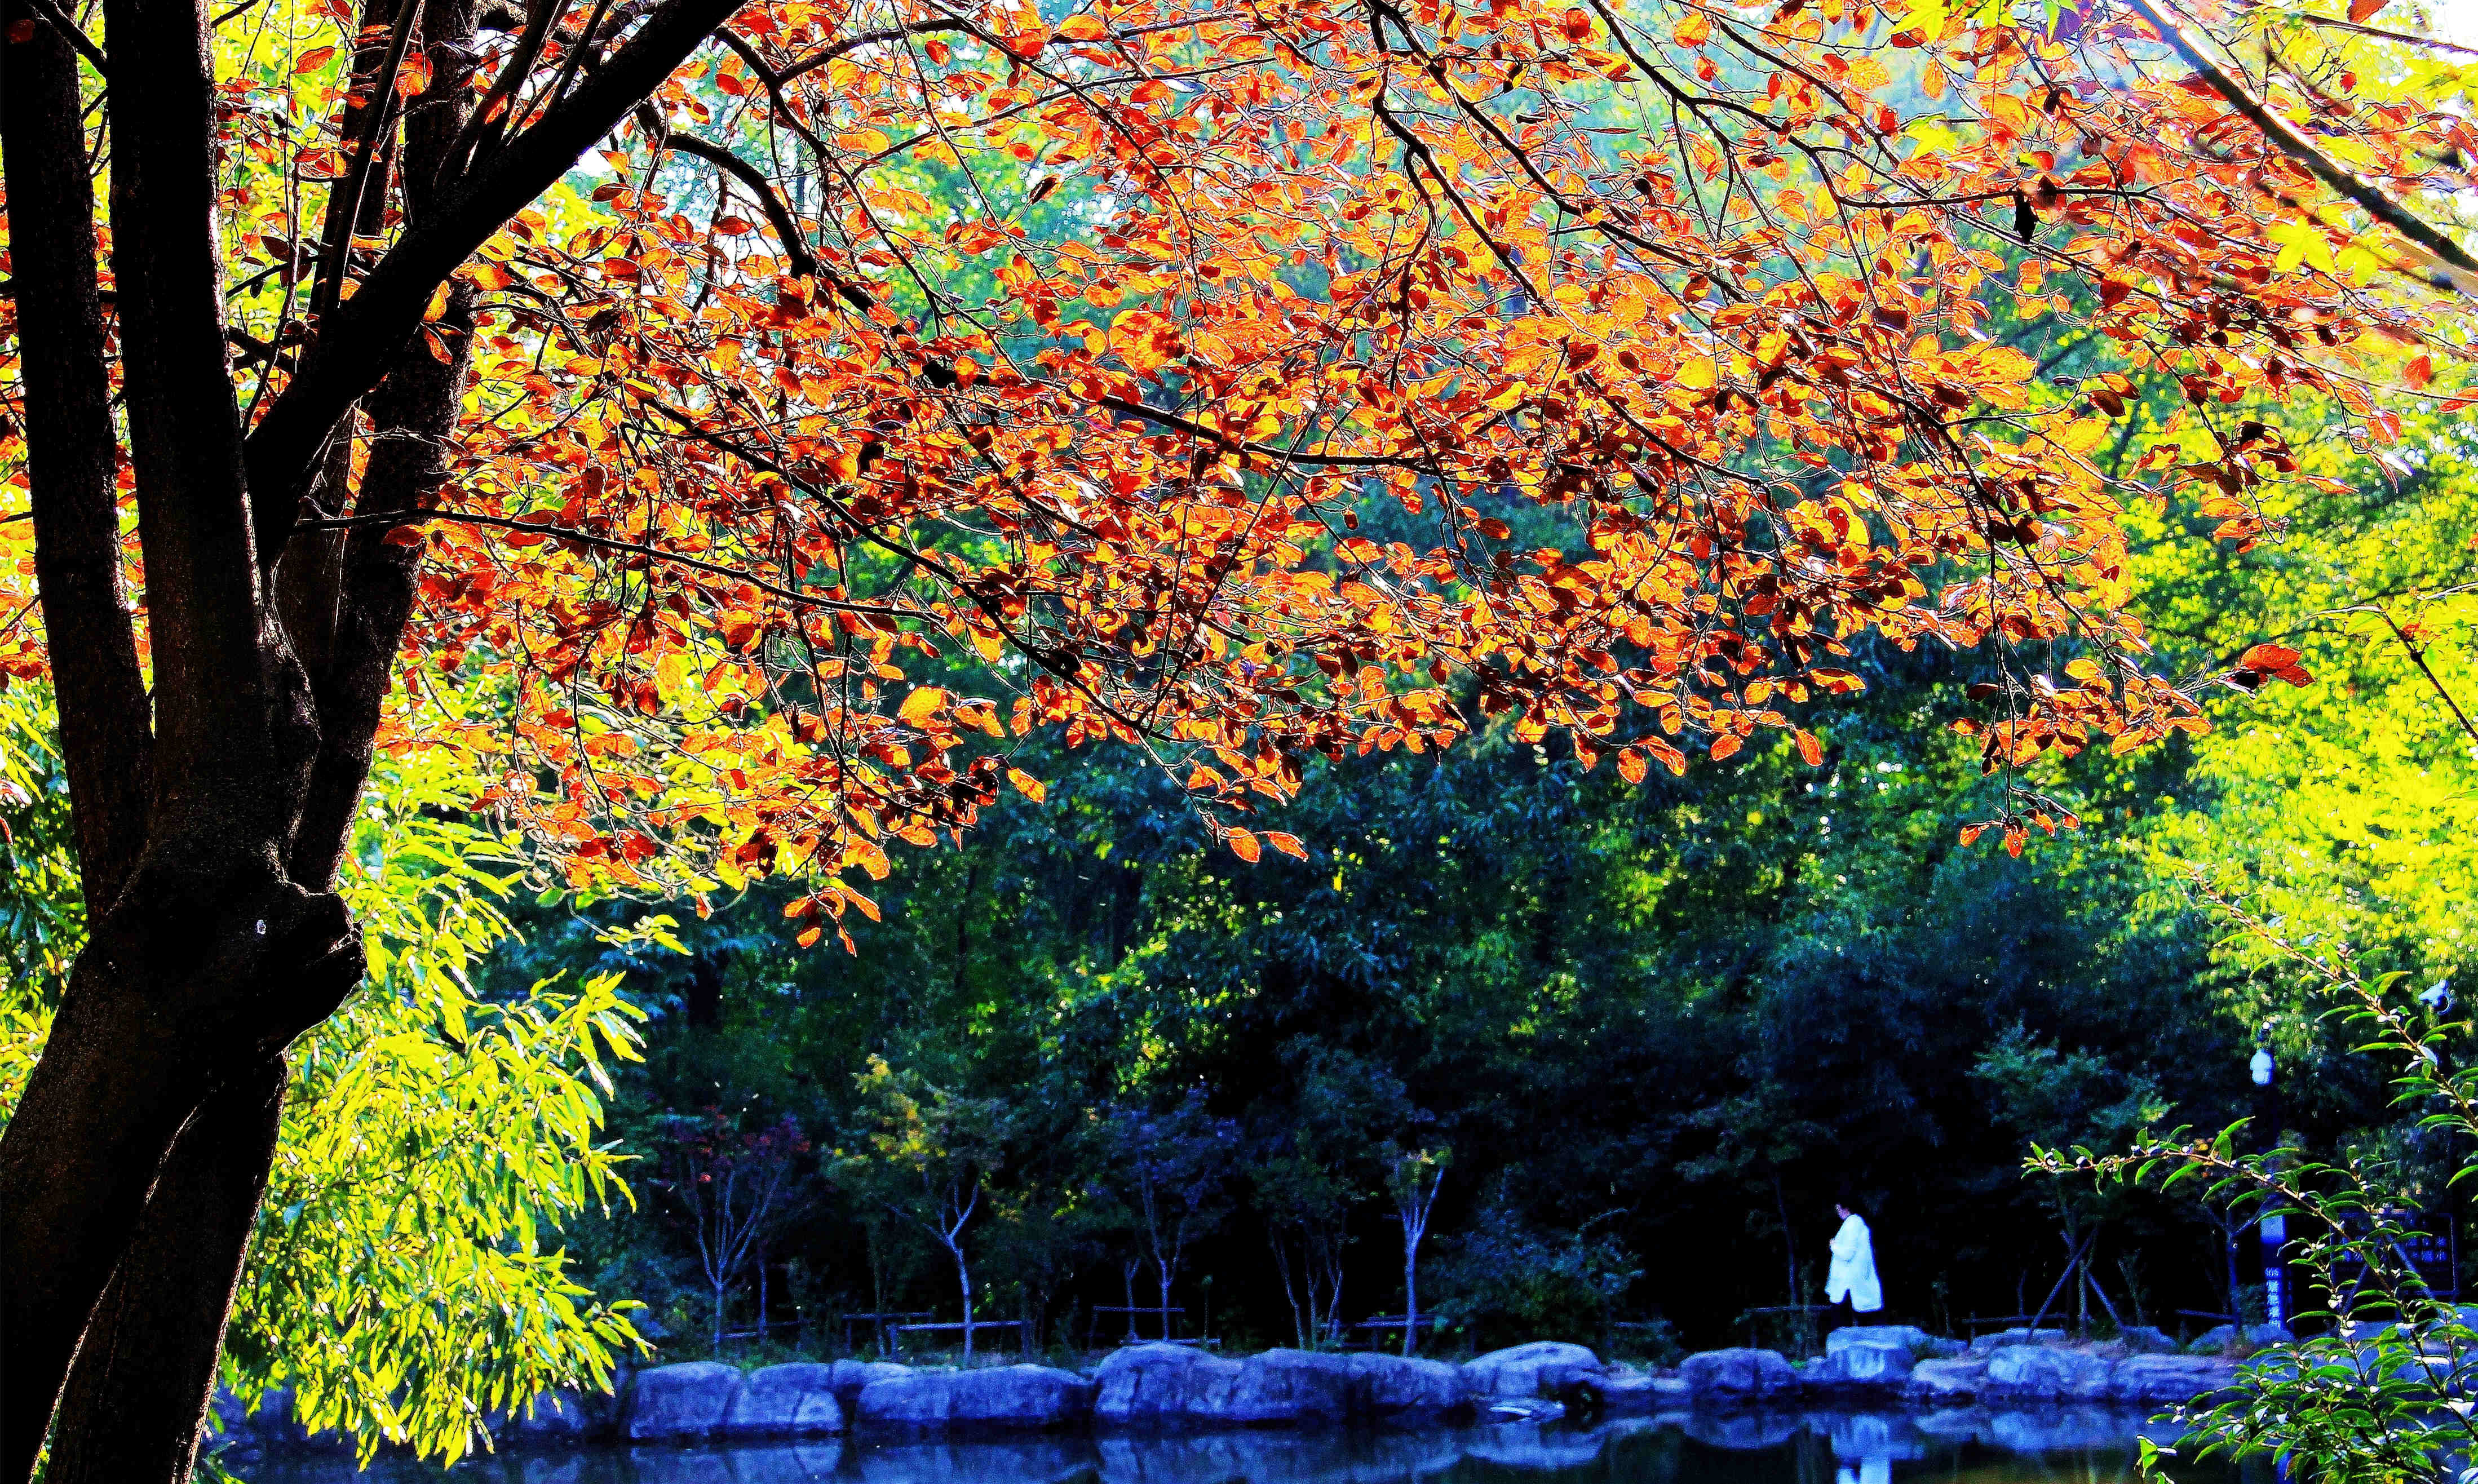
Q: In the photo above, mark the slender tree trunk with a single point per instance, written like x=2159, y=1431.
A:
x=137, y=1394
x=1290, y=1290
x=964, y=1280
x=1410, y=1296
x=1162, y=1270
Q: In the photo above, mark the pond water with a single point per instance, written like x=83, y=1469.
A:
x=2052, y=1446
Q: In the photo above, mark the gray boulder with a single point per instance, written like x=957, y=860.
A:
x=553, y=1420
x=2218, y=1338
x=1737, y=1374
x=2003, y=1339
x=1640, y=1395
x=2169, y=1379
x=1861, y=1365
x=680, y=1404
x=267, y=1427
x=2046, y=1372
x=852, y=1376
x=1515, y=1370
x=1002, y=1398
x=1910, y=1337
x=1163, y=1385
x=1292, y=1386
x=1598, y=1391
x=1522, y=1409
x=786, y=1402
x=1953, y=1380
x=1395, y=1386
x=2147, y=1339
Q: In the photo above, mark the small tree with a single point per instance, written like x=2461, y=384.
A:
x=735, y=1185
x=927, y=1160
x=2057, y=1100
x=1307, y=1208
x=1177, y=1166
x=1413, y=1178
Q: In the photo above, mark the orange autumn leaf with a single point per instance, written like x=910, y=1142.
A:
x=1556, y=440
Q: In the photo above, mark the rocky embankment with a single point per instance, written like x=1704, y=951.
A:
x=1173, y=1388
x=1876, y=1364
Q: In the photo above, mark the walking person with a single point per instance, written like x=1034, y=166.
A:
x=1850, y=1285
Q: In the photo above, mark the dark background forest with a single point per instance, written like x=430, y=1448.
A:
x=1662, y=1028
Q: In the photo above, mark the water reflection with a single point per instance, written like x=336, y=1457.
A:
x=2087, y=1446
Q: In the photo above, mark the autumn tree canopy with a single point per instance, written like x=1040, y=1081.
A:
x=733, y=426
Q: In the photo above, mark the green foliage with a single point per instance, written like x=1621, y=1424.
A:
x=1503, y=1282
x=42, y=915
x=404, y=1279
x=2374, y=1397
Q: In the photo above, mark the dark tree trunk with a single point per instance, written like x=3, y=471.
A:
x=209, y=817
x=705, y=990
x=139, y=1392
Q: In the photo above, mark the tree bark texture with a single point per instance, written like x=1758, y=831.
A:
x=210, y=815
x=138, y=1395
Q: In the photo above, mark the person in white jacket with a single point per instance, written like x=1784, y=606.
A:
x=1851, y=1278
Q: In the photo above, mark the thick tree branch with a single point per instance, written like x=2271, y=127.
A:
x=72, y=457
x=2454, y=269
x=795, y=247
x=58, y=20
x=231, y=712
x=356, y=593
x=359, y=340
x=369, y=107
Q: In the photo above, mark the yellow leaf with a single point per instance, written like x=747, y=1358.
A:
x=2081, y=435
x=1027, y=785
x=921, y=704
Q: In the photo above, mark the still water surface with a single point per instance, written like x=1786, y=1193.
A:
x=2053, y=1446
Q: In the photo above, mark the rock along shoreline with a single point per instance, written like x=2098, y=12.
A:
x=1160, y=1389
